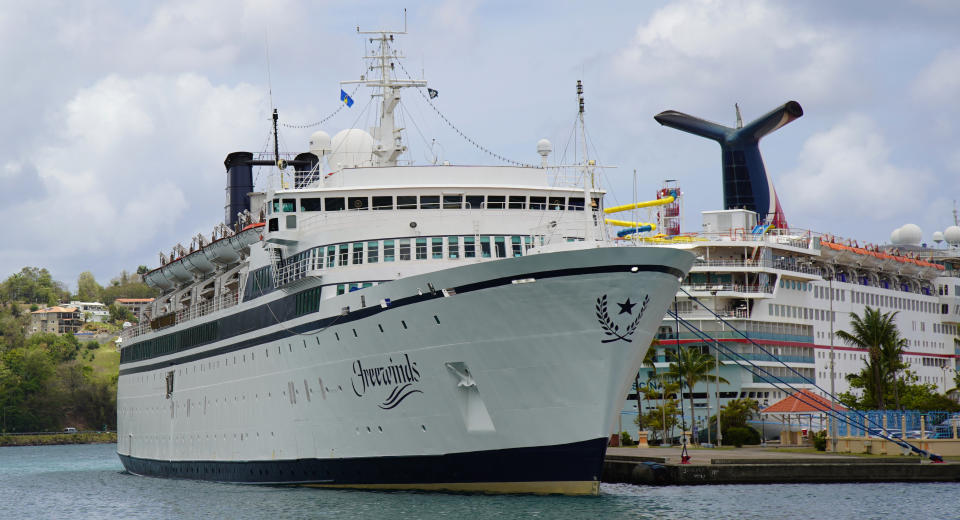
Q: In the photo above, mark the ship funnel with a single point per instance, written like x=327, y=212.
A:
x=239, y=185
x=745, y=181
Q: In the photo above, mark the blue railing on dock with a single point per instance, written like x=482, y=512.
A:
x=936, y=425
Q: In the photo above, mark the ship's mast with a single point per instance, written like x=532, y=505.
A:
x=381, y=63
x=588, y=172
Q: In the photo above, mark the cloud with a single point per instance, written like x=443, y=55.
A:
x=846, y=171
x=709, y=47
x=134, y=167
x=939, y=82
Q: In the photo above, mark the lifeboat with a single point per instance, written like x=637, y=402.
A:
x=177, y=272
x=198, y=263
x=156, y=280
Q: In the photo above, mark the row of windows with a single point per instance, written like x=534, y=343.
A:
x=171, y=343
x=865, y=298
x=455, y=201
x=423, y=248
x=802, y=313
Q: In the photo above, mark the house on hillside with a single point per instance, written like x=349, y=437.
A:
x=92, y=311
x=135, y=305
x=58, y=320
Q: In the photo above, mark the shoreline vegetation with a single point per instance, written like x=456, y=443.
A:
x=49, y=439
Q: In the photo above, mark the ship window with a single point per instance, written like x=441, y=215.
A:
x=406, y=202
x=405, y=249
x=310, y=204
x=354, y=287
x=518, y=202
x=274, y=225
x=469, y=248
x=429, y=202
x=496, y=201
x=372, y=252
x=501, y=247
x=340, y=290
x=358, y=202
x=358, y=253
x=436, y=248
x=291, y=222
x=485, y=247
x=421, y=248
x=334, y=204
x=538, y=203
x=276, y=205
x=289, y=205
x=516, y=246
x=331, y=255
x=452, y=201
x=474, y=201
x=575, y=204
x=527, y=243
x=385, y=202
x=344, y=254
x=556, y=203
x=388, y=250
x=452, y=249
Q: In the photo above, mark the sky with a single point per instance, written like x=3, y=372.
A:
x=116, y=116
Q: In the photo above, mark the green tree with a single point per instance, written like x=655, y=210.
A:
x=88, y=290
x=691, y=366
x=120, y=313
x=662, y=418
x=876, y=333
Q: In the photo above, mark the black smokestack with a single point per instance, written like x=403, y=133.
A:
x=239, y=185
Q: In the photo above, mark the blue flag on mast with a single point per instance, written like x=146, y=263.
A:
x=346, y=98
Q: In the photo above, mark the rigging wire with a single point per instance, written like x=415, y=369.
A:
x=477, y=145
x=325, y=119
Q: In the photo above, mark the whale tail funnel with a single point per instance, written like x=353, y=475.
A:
x=745, y=181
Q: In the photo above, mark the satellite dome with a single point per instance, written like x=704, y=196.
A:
x=937, y=236
x=351, y=148
x=952, y=235
x=911, y=235
x=544, y=147
x=320, y=143
x=895, y=237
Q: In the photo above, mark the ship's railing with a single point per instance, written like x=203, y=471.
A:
x=730, y=287
x=298, y=270
x=192, y=312
x=771, y=264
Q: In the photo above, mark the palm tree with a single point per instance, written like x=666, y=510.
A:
x=690, y=366
x=649, y=361
x=876, y=333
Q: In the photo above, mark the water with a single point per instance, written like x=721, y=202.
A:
x=87, y=481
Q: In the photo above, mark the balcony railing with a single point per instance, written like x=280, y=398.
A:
x=769, y=264
x=192, y=312
x=730, y=287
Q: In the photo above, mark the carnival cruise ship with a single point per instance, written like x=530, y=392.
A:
x=365, y=322
x=791, y=289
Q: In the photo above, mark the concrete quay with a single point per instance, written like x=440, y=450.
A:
x=756, y=465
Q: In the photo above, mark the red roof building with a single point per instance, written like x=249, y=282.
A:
x=802, y=401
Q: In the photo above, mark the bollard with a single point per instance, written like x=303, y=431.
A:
x=903, y=427
x=923, y=429
x=953, y=421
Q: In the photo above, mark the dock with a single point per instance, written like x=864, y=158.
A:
x=758, y=465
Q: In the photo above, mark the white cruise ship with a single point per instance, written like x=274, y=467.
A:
x=369, y=323
x=790, y=289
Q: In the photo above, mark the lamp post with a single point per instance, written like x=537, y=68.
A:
x=833, y=405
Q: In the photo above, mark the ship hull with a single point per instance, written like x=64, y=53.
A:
x=499, y=376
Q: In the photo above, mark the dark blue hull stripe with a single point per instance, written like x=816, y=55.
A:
x=579, y=461
x=281, y=310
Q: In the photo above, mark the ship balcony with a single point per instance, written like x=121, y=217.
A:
x=729, y=289
x=299, y=272
x=188, y=313
x=804, y=271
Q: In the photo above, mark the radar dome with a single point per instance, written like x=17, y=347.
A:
x=320, y=143
x=351, y=148
x=911, y=235
x=544, y=147
x=937, y=236
x=952, y=235
x=895, y=237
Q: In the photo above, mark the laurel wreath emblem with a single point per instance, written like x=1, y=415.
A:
x=612, y=329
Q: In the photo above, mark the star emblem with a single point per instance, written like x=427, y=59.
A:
x=626, y=307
